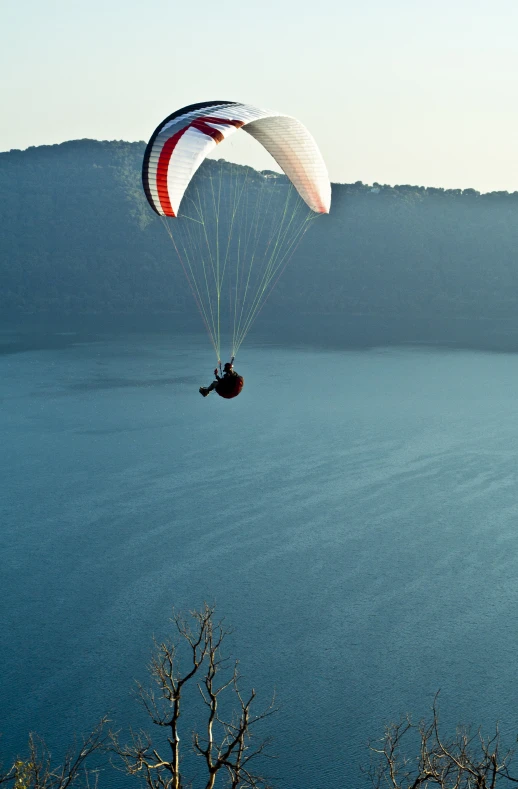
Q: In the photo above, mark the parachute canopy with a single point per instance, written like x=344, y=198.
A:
x=234, y=229
x=184, y=139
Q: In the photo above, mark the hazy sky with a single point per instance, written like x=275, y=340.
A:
x=407, y=91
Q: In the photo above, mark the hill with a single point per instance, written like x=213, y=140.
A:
x=77, y=236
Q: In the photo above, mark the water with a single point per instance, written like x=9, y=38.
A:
x=352, y=514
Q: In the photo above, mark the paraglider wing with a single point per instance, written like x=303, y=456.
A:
x=236, y=228
x=297, y=154
x=184, y=139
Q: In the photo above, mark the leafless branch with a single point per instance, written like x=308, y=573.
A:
x=36, y=770
x=226, y=746
x=464, y=761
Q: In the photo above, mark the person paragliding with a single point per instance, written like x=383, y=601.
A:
x=227, y=385
x=234, y=229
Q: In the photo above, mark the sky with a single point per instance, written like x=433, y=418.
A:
x=418, y=92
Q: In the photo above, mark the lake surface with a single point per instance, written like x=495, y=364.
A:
x=353, y=514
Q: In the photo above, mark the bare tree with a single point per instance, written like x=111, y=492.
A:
x=226, y=742
x=36, y=770
x=465, y=761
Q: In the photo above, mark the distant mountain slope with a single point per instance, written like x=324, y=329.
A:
x=77, y=235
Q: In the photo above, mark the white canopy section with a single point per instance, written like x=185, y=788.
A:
x=184, y=139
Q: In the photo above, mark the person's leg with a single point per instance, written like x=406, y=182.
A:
x=205, y=390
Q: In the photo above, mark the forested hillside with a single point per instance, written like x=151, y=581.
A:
x=77, y=235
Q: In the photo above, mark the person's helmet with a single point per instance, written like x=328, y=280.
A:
x=227, y=367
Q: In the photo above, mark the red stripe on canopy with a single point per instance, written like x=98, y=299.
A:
x=202, y=125
x=161, y=172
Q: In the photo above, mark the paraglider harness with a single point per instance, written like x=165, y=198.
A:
x=228, y=383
